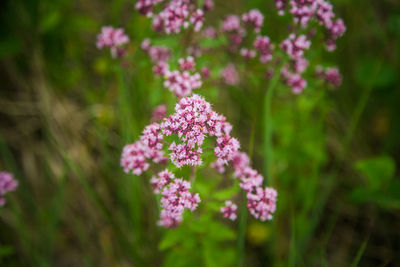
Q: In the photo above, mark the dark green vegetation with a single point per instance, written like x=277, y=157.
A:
x=67, y=109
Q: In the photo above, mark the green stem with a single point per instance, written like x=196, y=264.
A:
x=359, y=110
x=242, y=231
x=268, y=125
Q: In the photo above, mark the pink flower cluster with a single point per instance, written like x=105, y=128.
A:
x=159, y=113
x=135, y=156
x=175, y=14
x=263, y=45
x=175, y=198
x=230, y=75
x=261, y=201
x=254, y=18
x=304, y=11
x=113, y=38
x=7, y=184
x=156, y=53
x=192, y=122
x=181, y=83
x=294, y=47
x=281, y=6
x=229, y=210
x=248, y=53
x=330, y=75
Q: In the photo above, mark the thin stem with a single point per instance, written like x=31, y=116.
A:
x=268, y=125
x=243, y=207
x=242, y=231
x=359, y=110
x=192, y=174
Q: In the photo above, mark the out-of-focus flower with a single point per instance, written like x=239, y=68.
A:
x=254, y=18
x=159, y=113
x=229, y=210
x=230, y=75
x=205, y=73
x=186, y=63
x=263, y=45
x=247, y=53
x=182, y=83
x=330, y=75
x=7, y=184
x=262, y=203
x=113, y=38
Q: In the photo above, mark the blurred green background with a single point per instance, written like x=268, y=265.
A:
x=66, y=110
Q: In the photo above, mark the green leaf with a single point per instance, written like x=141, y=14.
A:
x=220, y=232
x=6, y=251
x=378, y=170
x=50, y=21
x=383, y=76
x=9, y=46
x=227, y=193
x=171, y=238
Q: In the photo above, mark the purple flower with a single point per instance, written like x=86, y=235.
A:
x=230, y=75
x=7, y=184
x=254, y=18
x=247, y=53
x=231, y=23
x=262, y=203
x=175, y=199
x=186, y=63
x=330, y=75
x=159, y=113
x=112, y=38
x=294, y=46
x=263, y=45
x=182, y=83
x=229, y=210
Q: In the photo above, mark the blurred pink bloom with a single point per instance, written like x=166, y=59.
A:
x=208, y=5
x=205, y=73
x=182, y=83
x=112, y=38
x=159, y=113
x=330, y=75
x=231, y=23
x=230, y=75
x=247, y=53
x=262, y=203
x=229, y=210
x=263, y=45
x=186, y=63
x=255, y=18
x=161, y=68
x=7, y=184
x=175, y=199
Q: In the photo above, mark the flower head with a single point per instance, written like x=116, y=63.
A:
x=7, y=184
x=229, y=210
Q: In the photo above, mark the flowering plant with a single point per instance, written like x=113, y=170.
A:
x=182, y=142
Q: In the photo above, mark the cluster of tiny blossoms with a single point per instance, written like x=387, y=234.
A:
x=193, y=121
x=329, y=75
x=294, y=46
x=7, y=184
x=304, y=11
x=180, y=82
x=113, y=38
x=261, y=202
x=175, y=197
x=174, y=14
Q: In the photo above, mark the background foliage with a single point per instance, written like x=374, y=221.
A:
x=67, y=109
